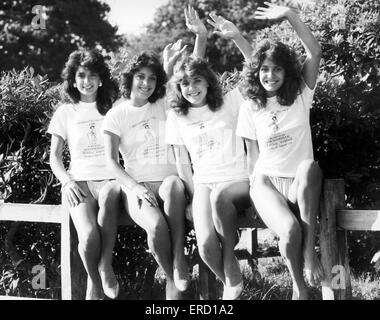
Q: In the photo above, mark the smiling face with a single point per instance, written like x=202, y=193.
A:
x=194, y=90
x=272, y=77
x=143, y=85
x=87, y=83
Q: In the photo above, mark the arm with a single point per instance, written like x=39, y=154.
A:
x=111, y=146
x=252, y=154
x=70, y=190
x=196, y=26
x=228, y=30
x=183, y=165
x=311, y=45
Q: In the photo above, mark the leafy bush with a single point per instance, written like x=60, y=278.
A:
x=345, y=127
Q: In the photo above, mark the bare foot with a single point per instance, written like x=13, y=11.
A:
x=171, y=291
x=300, y=294
x=93, y=291
x=181, y=274
x=109, y=282
x=313, y=269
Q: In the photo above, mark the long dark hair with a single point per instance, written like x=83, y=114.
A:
x=144, y=60
x=281, y=55
x=191, y=66
x=92, y=60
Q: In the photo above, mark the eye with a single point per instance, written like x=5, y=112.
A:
x=153, y=78
x=278, y=69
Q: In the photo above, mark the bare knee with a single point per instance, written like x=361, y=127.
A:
x=172, y=187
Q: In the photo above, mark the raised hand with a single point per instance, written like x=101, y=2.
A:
x=224, y=28
x=171, y=54
x=272, y=12
x=193, y=23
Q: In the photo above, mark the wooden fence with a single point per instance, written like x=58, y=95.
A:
x=334, y=221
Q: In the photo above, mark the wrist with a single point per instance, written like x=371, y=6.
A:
x=66, y=183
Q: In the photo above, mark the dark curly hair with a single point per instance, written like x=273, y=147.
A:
x=144, y=60
x=281, y=55
x=92, y=60
x=189, y=66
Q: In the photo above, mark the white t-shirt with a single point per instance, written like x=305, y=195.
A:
x=80, y=125
x=142, y=139
x=283, y=133
x=217, y=154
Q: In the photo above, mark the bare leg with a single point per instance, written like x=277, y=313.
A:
x=224, y=202
x=305, y=191
x=109, y=210
x=274, y=210
x=84, y=219
x=152, y=220
x=172, y=192
x=207, y=238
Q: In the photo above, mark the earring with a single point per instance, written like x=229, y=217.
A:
x=74, y=85
x=100, y=84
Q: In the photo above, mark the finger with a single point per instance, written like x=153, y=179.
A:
x=186, y=16
x=269, y=4
x=261, y=9
x=68, y=198
x=182, y=50
x=82, y=193
x=77, y=195
x=213, y=16
x=211, y=22
x=218, y=33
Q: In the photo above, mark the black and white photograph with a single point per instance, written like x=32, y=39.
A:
x=204, y=151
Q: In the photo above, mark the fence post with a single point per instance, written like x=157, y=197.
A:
x=65, y=253
x=333, y=244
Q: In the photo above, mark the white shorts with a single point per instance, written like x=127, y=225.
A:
x=96, y=186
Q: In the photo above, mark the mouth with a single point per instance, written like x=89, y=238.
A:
x=145, y=90
x=271, y=82
x=193, y=95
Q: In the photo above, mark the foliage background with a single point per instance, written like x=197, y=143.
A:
x=345, y=117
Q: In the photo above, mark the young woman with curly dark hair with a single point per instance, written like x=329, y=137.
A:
x=285, y=180
x=203, y=124
x=89, y=188
x=151, y=188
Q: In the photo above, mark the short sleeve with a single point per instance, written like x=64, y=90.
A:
x=112, y=121
x=246, y=126
x=307, y=95
x=234, y=99
x=58, y=123
x=172, y=132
